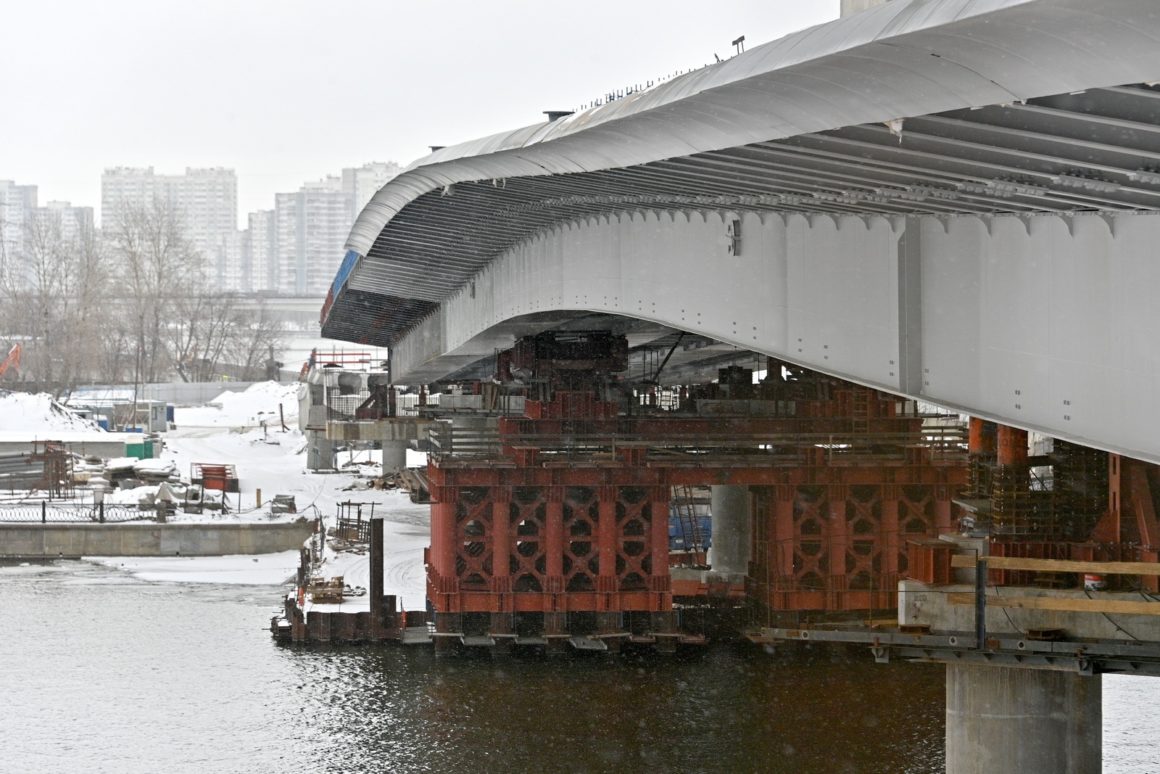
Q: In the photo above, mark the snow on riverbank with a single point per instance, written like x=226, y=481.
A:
x=39, y=414
x=269, y=461
x=274, y=462
x=261, y=570
x=269, y=402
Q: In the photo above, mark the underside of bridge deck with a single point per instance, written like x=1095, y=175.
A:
x=955, y=205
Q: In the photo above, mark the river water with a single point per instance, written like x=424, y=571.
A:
x=100, y=672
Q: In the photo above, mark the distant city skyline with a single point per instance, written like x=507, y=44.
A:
x=291, y=247
x=290, y=91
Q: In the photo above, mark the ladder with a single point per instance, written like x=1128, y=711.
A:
x=690, y=531
x=860, y=411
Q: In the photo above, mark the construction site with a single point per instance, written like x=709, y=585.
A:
x=577, y=507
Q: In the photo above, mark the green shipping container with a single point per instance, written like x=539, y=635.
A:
x=135, y=449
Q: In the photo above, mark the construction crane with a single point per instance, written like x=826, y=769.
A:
x=12, y=360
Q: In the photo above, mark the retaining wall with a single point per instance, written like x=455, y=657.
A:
x=28, y=541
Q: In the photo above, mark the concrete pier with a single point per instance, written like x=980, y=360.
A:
x=319, y=451
x=394, y=456
x=730, y=507
x=1030, y=721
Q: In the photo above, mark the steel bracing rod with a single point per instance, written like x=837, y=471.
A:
x=648, y=184
x=895, y=190
x=1023, y=139
x=951, y=178
x=404, y=236
x=812, y=205
x=807, y=203
x=596, y=184
x=472, y=226
x=530, y=207
x=415, y=287
x=661, y=367
x=579, y=192
x=806, y=194
x=1059, y=166
x=877, y=201
x=773, y=184
x=409, y=242
x=901, y=180
x=997, y=171
x=1124, y=102
x=1058, y=120
x=1055, y=166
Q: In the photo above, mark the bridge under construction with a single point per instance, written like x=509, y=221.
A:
x=754, y=286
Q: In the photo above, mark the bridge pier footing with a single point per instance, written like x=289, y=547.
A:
x=319, y=451
x=1030, y=721
x=729, y=505
x=394, y=456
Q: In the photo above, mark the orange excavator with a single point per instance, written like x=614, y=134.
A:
x=11, y=361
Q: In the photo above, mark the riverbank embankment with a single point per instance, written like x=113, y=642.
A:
x=72, y=541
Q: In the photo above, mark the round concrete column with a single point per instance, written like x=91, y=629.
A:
x=394, y=456
x=730, y=508
x=1033, y=721
x=319, y=451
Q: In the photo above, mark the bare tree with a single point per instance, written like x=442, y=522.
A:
x=158, y=263
x=211, y=334
x=256, y=338
x=199, y=333
x=51, y=296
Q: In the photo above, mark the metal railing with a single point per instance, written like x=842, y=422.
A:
x=45, y=512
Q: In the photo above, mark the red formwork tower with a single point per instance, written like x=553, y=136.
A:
x=833, y=537
x=527, y=545
x=555, y=524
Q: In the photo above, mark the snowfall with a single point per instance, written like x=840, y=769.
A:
x=245, y=429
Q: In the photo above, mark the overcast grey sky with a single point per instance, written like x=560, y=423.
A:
x=291, y=90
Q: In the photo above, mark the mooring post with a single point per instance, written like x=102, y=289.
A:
x=376, y=589
x=981, y=603
x=43, y=512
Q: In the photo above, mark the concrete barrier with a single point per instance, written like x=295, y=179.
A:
x=69, y=541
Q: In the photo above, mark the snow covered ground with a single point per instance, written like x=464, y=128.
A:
x=249, y=409
x=269, y=461
x=28, y=413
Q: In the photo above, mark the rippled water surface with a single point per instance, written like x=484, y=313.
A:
x=103, y=673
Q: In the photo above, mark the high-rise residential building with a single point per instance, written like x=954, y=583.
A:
x=311, y=227
x=260, y=252
x=226, y=264
x=122, y=186
x=17, y=204
x=361, y=183
x=74, y=221
x=207, y=200
x=292, y=249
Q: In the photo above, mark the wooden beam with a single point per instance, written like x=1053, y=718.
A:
x=1064, y=604
x=1058, y=565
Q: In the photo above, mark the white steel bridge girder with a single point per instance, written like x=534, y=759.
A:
x=1046, y=322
